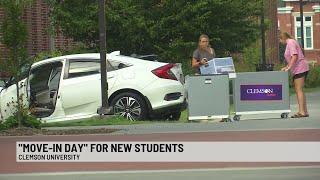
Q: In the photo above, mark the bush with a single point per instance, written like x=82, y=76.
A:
x=79, y=48
x=251, y=57
x=186, y=67
x=242, y=67
x=32, y=122
x=2, y=127
x=46, y=54
x=313, y=79
x=282, y=49
x=28, y=121
x=10, y=122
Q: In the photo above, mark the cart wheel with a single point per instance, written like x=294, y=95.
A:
x=230, y=120
x=284, y=115
x=236, y=118
x=227, y=120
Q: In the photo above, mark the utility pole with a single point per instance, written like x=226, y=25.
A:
x=104, y=109
x=263, y=66
x=51, y=29
x=301, y=25
x=263, y=40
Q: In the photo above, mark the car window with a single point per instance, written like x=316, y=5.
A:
x=25, y=70
x=80, y=68
x=85, y=67
x=41, y=77
x=54, y=79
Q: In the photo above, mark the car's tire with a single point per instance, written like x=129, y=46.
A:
x=284, y=115
x=236, y=118
x=130, y=105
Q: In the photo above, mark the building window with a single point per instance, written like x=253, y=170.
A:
x=307, y=31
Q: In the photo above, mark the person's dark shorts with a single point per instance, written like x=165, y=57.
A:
x=300, y=75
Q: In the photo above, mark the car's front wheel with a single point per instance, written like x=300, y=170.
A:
x=130, y=106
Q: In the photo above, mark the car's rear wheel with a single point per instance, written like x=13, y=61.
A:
x=130, y=106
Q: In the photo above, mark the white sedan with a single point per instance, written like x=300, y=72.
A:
x=68, y=87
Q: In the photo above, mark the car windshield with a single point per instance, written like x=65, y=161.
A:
x=148, y=57
x=25, y=71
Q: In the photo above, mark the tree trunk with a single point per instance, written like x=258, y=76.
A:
x=15, y=63
x=19, y=109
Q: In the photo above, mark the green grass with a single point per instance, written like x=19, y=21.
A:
x=96, y=121
x=184, y=116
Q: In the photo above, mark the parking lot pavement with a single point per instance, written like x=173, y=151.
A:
x=279, y=173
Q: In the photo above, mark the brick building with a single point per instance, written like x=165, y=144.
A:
x=39, y=39
x=289, y=21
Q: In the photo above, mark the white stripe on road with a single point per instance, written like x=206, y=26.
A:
x=161, y=171
x=119, y=133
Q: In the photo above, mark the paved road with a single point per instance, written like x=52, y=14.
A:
x=8, y=164
x=284, y=173
x=307, y=129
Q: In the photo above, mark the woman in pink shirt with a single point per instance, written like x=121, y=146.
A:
x=299, y=68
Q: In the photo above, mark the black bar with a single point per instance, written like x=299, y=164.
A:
x=301, y=26
x=263, y=41
x=102, y=37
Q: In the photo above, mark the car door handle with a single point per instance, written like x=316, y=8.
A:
x=109, y=77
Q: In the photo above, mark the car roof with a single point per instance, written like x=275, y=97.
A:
x=122, y=58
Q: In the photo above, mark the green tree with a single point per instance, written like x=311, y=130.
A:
x=169, y=28
x=126, y=27
x=78, y=19
x=14, y=37
x=231, y=25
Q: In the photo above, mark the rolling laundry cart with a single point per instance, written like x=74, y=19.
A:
x=208, y=96
x=261, y=92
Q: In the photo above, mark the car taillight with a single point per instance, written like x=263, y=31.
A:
x=164, y=72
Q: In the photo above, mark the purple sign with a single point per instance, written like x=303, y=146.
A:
x=260, y=92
